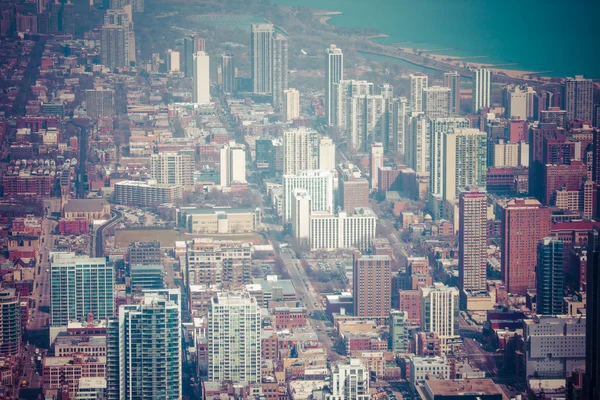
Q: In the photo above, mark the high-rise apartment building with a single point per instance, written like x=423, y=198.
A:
x=452, y=81
x=350, y=381
x=520, y=102
x=549, y=277
x=334, y=73
x=10, y=322
x=113, y=40
x=368, y=121
x=326, y=153
x=301, y=205
x=524, y=223
x=228, y=73
x=99, y=103
x=291, y=105
x=261, y=58
x=417, y=82
x=173, y=61
x=317, y=183
x=399, y=337
x=579, y=98
x=233, y=164
x=343, y=230
x=201, y=78
x=79, y=286
x=191, y=45
x=398, y=118
x=234, y=338
x=439, y=312
x=417, y=145
x=124, y=17
x=376, y=162
x=211, y=262
x=482, y=89
x=344, y=91
x=353, y=190
x=437, y=102
x=300, y=150
x=592, y=337
x=472, y=239
x=173, y=168
x=372, y=278
x=144, y=349
x=280, y=69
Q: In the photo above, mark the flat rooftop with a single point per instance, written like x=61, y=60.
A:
x=456, y=387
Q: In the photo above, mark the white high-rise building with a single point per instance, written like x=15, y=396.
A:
x=345, y=90
x=452, y=81
x=334, y=73
x=80, y=285
x=300, y=215
x=318, y=184
x=146, y=337
x=280, y=70
x=291, y=105
x=173, y=63
x=173, y=168
x=482, y=89
x=300, y=150
x=234, y=338
x=368, y=121
x=233, y=164
x=437, y=102
x=398, y=120
x=417, y=151
x=326, y=154
x=439, y=312
x=386, y=90
x=342, y=230
x=519, y=102
x=376, y=162
x=261, y=58
x=350, y=381
x=416, y=83
x=201, y=89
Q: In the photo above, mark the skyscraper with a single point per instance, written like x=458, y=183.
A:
x=417, y=82
x=524, y=223
x=326, y=154
x=472, y=239
x=317, y=183
x=344, y=91
x=579, y=98
x=113, y=50
x=482, y=89
x=334, y=73
x=418, y=139
x=592, y=337
x=173, y=61
x=368, y=121
x=398, y=120
x=291, y=105
x=261, y=58
x=350, y=381
x=10, y=322
x=233, y=164
x=300, y=150
x=80, y=285
x=300, y=214
x=280, y=69
x=234, y=339
x=372, y=277
x=68, y=17
x=191, y=45
x=439, y=312
x=437, y=102
x=173, y=168
x=452, y=81
x=228, y=73
x=124, y=17
x=549, y=276
x=201, y=80
x=376, y=162
x=143, y=343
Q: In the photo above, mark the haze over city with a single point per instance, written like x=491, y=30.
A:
x=299, y=200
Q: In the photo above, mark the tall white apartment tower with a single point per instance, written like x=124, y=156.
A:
x=345, y=90
x=437, y=102
x=376, y=162
x=398, y=120
x=472, y=239
x=234, y=342
x=350, y=381
x=482, y=89
x=452, y=81
x=439, y=312
x=291, y=105
x=334, y=73
x=261, y=58
x=318, y=184
x=326, y=154
x=300, y=215
x=173, y=168
x=418, y=138
x=300, y=148
x=201, y=90
x=233, y=164
x=280, y=70
x=416, y=83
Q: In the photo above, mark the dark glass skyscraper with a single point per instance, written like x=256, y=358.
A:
x=549, y=276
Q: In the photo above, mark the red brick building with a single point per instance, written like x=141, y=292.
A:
x=410, y=301
x=74, y=226
x=290, y=318
x=25, y=184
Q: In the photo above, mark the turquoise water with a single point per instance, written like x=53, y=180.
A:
x=538, y=35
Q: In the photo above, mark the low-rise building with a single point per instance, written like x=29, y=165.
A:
x=219, y=220
x=146, y=194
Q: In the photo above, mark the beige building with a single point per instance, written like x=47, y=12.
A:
x=146, y=194
x=60, y=371
x=219, y=220
x=90, y=209
x=291, y=105
x=211, y=262
x=68, y=346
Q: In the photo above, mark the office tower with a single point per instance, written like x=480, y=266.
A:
x=80, y=285
x=280, y=70
x=592, y=337
x=334, y=73
x=417, y=151
x=112, y=43
x=482, y=89
x=344, y=91
x=234, y=338
x=191, y=45
x=261, y=58
x=399, y=338
x=464, y=152
x=233, y=164
x=524, y=223
x=353, y=190
x=201, y=80
x=144, y=253
x=228, y=73
x=144, y=347
x=10, y=322
x=99, y=103
x=439, y=312
x=173, y=63
x=318, y=184
x=520, y=102
x=472, y=239
x=68, y=17
x=343, y=230
x=350, y=381
x=452, y=81
x=291, y=105
x=549, y=277
x=368, y=121
x=372, y=279
x=579, y=98
x=398, y=120
x=437, y=102
x=417, y=82
x=326, y=153
x=300, y=213
x=554, y=345
x=300, y=148
x=212, y=262
x=173, y=168
x=376, y=162
x=54, y=20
